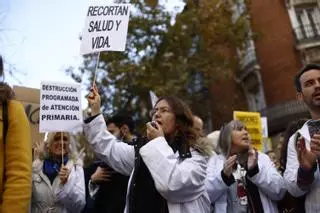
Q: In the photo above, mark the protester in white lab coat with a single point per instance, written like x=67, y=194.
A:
x=303, y=157
x=240, y=179
x=167, y=168
x=57, y=188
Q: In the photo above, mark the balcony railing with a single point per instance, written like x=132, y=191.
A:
x=299, y=2
x=307, y=33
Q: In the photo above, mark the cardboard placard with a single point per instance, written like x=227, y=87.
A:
x=106, y=28
x=60, y=107
x=30, y=98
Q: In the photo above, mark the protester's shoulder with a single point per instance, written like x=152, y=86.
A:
x=198, y=156
x=263, y=157
x=293, y=138
x=37, y=165
x=16, y=106
x=17, y=113
x=216, y=158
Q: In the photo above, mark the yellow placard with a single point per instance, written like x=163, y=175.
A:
x=252, y=121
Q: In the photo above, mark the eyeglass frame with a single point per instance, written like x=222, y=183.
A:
x=162, y=110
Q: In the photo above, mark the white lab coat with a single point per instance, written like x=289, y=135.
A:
x=57, y=198
x=312, y=202
x=269, y=182
x=180, y=182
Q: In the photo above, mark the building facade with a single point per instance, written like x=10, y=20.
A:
x=288, y=36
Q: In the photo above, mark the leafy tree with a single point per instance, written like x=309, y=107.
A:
x=182, y=58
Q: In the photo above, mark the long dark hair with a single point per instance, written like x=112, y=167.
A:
x=184, y=118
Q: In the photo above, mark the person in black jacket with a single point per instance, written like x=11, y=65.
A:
x=105, y=188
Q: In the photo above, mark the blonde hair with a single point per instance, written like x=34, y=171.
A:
x=50, y=139
x=214, y=138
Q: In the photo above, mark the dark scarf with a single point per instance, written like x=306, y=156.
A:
x=254, y=199
x=143, y=195
x=52, y=167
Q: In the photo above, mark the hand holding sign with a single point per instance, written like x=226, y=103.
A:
x=64, y=174
x=94, y=101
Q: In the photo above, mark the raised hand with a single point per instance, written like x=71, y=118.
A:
x=38, y=148
x=229, y=165
x=252, y=158
x=154, y=131
x=307, y=159
x=94, y=101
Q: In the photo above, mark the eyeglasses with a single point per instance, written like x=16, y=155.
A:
x=161, y=110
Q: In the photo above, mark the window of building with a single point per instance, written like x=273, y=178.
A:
x=309, y=22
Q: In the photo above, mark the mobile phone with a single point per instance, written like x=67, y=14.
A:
x=314, y=127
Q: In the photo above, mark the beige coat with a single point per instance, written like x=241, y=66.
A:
x=57, y=198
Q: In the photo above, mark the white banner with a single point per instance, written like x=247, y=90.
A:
x=264, y=124
x=153, y=98
x=60, y=107
x=106, y=28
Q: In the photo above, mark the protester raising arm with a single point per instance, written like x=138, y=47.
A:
x=301, y=169
x=120, y=156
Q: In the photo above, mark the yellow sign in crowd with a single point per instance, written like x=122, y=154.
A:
x=252, y=121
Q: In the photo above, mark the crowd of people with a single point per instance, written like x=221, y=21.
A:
x=173, y=167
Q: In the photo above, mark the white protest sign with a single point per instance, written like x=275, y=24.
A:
x=264, y=123
x=106, y=27
x=60, y=107
x=153, y=98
